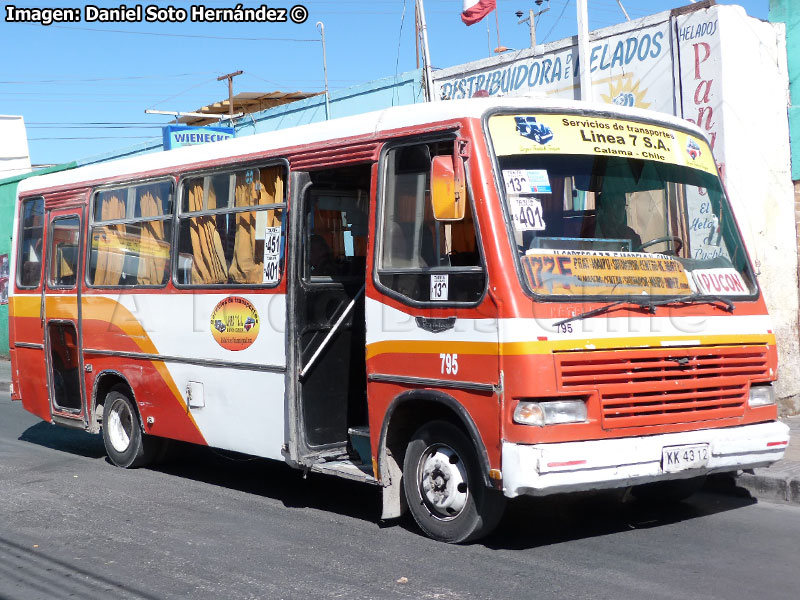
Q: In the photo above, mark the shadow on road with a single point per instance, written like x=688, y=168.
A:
x=234, y=471
x=64, y=439
x=528, y=522
x=538, y=522
x=273, y=479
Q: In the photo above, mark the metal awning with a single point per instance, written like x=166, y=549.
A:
x=246, y=102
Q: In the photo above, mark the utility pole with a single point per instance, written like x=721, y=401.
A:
x=426, y=53
x=530, y=19
x=416, y=31
x=230, y=77
x=625, y=12
x=583, y=51
x=321, y=27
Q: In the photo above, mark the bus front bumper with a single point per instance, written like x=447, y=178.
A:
x=543, y=469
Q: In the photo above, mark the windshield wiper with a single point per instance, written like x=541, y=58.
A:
x=605, y=308
x=697, y=298
x=650, y=305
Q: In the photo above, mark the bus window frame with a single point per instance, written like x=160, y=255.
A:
x=43, y=251
x=133, y=183
x=179, y=214
x=378, y=242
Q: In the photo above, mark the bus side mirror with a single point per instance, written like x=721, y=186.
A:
x=448, y=188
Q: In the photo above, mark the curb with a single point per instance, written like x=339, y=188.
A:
x=779, y=487
x=5, y=374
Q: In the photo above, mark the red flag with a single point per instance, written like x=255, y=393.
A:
x=475, y=10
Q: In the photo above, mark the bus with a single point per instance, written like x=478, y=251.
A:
x=461, y=302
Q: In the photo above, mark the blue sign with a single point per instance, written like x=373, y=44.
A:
x=178, y=136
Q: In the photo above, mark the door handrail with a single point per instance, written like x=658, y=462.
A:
x=331, y=333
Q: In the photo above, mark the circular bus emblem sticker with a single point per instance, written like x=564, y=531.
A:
x=234, y=323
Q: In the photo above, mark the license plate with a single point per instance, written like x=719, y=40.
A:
x=680, y=458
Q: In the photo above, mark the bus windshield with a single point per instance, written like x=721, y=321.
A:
x=608, y=207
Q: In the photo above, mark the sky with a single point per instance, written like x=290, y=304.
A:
x=83, y=87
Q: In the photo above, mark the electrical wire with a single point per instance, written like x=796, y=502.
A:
x=103, y=79
x=561, y=14
x=183, y=92
x=399, y=43
x=99, y=137
x=177, y=35
x=93, y=126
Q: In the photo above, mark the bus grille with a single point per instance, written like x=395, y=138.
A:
x=640, y=388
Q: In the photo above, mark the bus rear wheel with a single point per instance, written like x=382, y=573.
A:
x=444, y=487
x=125, y=443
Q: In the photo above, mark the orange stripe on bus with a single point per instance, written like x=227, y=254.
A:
x=105, y=310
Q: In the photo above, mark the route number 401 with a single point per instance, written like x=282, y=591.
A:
x=449, y=363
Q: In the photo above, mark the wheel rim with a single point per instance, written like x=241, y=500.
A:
x=120, y=426
x=443, y=483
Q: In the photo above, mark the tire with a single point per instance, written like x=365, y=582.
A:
x=444, y=488
x=668, y=492
x=126, y=445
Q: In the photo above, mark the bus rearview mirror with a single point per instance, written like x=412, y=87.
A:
x=448, y=189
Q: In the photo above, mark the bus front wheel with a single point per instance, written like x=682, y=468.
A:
x=444, y=488
x=125, y=443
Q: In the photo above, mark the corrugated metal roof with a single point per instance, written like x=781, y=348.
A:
x=246, y=102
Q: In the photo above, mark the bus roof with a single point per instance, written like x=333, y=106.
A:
x=347, y=127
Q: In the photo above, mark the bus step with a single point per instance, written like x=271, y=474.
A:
x=359, y=439
x=347, y=469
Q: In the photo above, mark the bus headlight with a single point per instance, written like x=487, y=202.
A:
x=552, y=412
x=761, y=395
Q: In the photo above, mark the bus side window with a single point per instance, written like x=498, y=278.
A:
x=231, y=228
x=336, y=223
x=64, y=254
x=29, y=263
x=413, y=245
x=131, y=234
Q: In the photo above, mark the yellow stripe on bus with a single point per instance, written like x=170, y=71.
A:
x=106, y=310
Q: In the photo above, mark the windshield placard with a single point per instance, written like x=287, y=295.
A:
x=527, y=181
x=574, y=134
x=589, y=273
x=723, y=281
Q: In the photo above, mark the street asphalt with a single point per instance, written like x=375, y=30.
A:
x=778, y=483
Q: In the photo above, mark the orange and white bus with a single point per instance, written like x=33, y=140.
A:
x=461, y=302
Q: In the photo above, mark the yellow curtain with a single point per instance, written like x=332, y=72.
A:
x=153, y=249
x=208, y=264
x=64, y=266
x=462, y=234
x=272, y=193
x=108, y=243
x=244, y=266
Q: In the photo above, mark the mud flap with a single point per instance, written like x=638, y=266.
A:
x=394, y=500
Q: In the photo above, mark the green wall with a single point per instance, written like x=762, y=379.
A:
x=787, y=11
x=8, y=194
